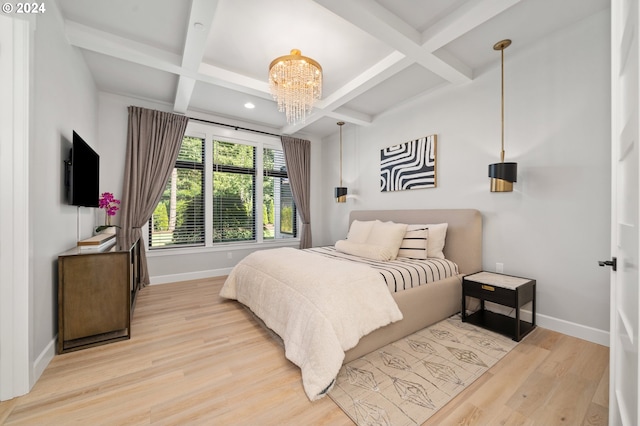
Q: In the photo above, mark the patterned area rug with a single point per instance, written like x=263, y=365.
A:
x=406, y=382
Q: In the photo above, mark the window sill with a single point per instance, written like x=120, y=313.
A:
x=294, y=242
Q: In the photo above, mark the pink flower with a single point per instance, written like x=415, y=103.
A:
x=108, y=202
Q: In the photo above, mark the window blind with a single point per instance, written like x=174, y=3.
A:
x=178, y=219
x=234, y=170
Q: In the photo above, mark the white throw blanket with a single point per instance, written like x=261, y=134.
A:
x=320, y=307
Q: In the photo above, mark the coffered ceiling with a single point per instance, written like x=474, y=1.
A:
x=211, y=56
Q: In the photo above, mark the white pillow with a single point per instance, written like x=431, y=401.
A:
x=414, y=243
x=436, y=238
x=359, y=231
x=387, y=234
x=368, y=251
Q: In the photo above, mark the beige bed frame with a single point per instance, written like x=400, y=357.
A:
x=425, y=305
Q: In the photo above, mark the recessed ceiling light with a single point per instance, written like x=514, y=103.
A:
x=249, y=105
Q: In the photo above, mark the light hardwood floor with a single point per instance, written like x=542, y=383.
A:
x=196, y=359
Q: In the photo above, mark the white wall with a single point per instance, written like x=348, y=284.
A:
x=177, y=265
x=64, y=98
x=555, y=226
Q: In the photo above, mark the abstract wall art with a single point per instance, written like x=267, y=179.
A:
x=409, y=165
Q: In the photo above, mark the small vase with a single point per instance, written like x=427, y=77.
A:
x=109, y=230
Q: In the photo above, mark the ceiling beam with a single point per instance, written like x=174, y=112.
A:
x=184, y=90
x=387, y=27
x=195, y=43
x=142, y=54
x=122, y=48
x=222, y=77
x=379, y=72
x=411, y=47
x=388, y=66
x=350, y=116
x=462, y=20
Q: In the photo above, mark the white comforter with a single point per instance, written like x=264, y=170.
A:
x=320, y=307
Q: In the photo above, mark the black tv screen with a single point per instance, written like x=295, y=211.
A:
x=83, y=174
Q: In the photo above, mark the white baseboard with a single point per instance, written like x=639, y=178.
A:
x=580, y=331
x=43, y=360
x=188, y=276
x=573, y=329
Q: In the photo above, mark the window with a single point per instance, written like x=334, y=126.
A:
x=234, y=182
x=222, y=191
x=178, y=217
x=279, y=212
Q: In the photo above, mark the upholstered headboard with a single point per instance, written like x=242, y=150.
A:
x=464, y=234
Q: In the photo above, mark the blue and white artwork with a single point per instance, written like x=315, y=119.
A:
x=409, y=165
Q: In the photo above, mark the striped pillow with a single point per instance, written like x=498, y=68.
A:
x=414, y=243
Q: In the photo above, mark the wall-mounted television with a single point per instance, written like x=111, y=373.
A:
x=82, y=174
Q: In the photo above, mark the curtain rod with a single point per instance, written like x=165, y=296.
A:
x=234, y=127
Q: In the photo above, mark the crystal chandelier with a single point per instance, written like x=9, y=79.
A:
x=296, y=83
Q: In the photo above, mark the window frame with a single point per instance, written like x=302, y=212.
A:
x=209, y=133
x=280, y=174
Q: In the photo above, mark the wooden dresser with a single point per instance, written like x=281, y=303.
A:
x=96, y=294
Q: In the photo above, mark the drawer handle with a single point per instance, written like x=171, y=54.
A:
x=488, y=287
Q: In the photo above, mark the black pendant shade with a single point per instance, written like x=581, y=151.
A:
x=503, y=175
x=504, y=171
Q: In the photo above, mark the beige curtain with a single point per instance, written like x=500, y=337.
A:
x=153, y=144
x=297, y=156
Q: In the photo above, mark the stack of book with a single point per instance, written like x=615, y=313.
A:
x=97, y=242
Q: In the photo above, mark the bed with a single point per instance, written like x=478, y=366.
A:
x=294, y=293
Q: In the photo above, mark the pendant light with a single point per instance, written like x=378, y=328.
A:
x=502, y=174
x=341, y=191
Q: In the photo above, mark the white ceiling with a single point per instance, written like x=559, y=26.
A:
x=211, y=56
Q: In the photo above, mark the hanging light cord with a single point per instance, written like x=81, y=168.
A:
x=501, y=45
x=341, y=123
x=502, y=102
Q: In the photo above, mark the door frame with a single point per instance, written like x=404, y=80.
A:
x=15, y=306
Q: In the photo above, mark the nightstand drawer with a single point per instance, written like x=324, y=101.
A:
x=490, y=293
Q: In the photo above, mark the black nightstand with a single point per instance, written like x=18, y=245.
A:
x=506, y=290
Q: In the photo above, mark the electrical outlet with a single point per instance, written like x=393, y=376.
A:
x=229, y=255
x=499, y=267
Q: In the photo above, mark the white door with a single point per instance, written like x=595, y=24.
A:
x=625, y=297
